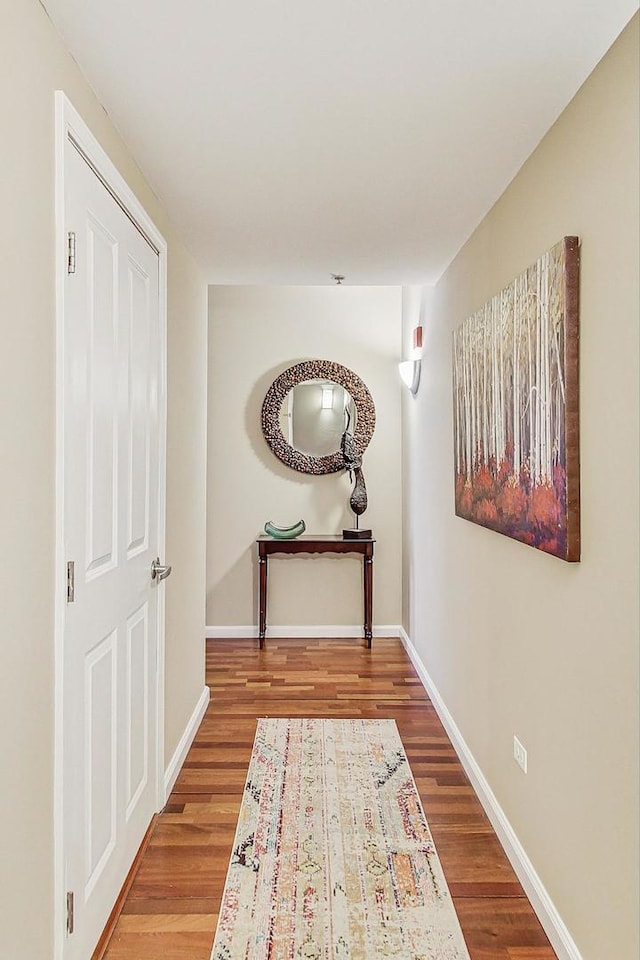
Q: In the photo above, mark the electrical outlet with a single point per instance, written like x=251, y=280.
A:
x=519, y=754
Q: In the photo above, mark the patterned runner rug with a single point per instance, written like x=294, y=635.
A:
x=333, y=858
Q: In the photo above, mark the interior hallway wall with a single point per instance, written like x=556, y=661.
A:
x=516, y=641
x=254, y=334
x=35, y=63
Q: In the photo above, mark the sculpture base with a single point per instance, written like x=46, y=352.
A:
x=354, y=533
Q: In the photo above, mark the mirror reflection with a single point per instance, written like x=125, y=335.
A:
x=314, y=415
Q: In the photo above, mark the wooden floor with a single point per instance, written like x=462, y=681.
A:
x=171, y=910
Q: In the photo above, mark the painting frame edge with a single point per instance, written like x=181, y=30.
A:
x=572, y=406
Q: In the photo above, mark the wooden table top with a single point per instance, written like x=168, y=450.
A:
x=315, y=538
x=310, y=543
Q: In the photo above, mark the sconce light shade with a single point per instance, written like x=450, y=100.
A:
x=410, y=373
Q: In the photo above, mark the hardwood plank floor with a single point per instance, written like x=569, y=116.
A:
x=172, y=906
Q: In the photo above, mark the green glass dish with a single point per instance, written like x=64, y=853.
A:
x=285, y=533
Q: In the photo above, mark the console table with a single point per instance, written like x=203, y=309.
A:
x=334, y=543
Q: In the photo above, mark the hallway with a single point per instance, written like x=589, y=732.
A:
x=172, y=907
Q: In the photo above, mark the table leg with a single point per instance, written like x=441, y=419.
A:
x=262, y=625
x=368, y=599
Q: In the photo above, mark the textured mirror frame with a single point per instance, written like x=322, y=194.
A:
x=314, y=370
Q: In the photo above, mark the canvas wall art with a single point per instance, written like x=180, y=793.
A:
x=515, y=408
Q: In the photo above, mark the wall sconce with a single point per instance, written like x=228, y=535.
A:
x=327, y=398
x=410, y=373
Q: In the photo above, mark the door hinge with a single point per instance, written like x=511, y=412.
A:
x=71, y=581
x=70, y=916
x=71, y=252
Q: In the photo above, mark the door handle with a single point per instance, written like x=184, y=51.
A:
x=159, y=571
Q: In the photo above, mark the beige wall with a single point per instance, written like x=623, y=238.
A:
x=34, y=65
x=518, y=642
x=254, y=334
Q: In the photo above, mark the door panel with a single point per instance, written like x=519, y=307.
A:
x=101, y=742
x=140, y=356
x=102, y=436
x=111, y=499
x=137, y=743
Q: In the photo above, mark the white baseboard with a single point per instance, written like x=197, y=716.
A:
x=304, y=632
x=553, y=924
x=175, y=764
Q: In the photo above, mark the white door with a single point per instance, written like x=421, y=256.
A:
x=111, y=482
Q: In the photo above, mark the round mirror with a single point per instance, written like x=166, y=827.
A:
x=315, y=414
x=307, y=410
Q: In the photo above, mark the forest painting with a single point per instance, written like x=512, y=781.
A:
x=515, y=408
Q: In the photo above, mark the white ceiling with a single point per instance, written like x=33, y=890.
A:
x=290, y=139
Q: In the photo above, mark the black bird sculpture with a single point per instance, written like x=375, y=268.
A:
x=353, y=464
